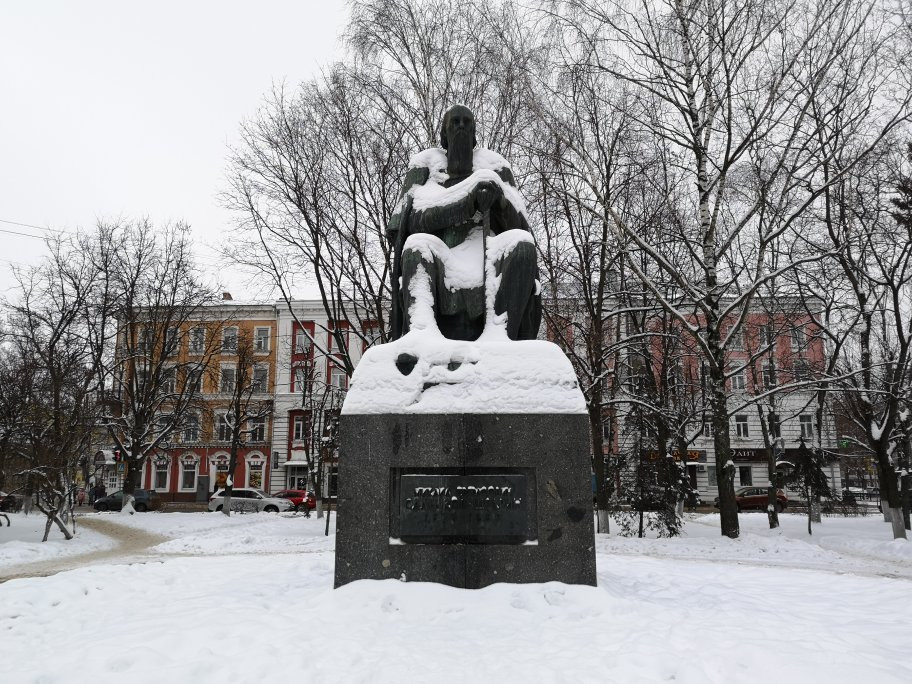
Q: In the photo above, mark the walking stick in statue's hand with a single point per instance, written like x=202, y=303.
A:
x=485, y=198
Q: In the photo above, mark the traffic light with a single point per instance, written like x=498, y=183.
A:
x=116, y=455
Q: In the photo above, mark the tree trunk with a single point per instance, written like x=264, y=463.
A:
x=889, y=490
x=603, y=520
x=899, y=528
x=598, y=460
x=725, y=467
x=133, y=468
x=772, y=502
x=905, y=483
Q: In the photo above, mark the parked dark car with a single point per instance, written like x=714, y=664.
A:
x=756, y=499
x=10, y=503
x=301, y=498
x=143, y=500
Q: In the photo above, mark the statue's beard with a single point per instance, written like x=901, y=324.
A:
x=459, y=153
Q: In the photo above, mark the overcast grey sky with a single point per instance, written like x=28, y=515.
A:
x=113, y=108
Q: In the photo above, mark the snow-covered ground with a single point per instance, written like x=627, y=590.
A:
x=20, y=542
x=250, y=598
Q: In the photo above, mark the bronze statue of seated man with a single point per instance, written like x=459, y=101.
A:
x=464, y=258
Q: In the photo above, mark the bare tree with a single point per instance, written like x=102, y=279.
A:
x=318, y=174
x=249, y=406
x=157, y=306
x=872, y=241
x=49, y=365
x=727, y=87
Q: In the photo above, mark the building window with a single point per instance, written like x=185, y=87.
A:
x=297, y=433
x=229, y=339
x=775, y=426
x=172, y=340
x=169, y=380
x=260, y=378
x=302, y=342
x=145, y=342
x=769, y=375
x=807, y=426
x=255, y=474
x=299, y=379
x=161, y=474
x=801, y=371
x=737, y=380
x=257, y=428
x=333, y=480
x=338, y=377
x=222, y=428
x=191, y=428
x=744, y=475
x=227, y=383
x=197, y=341
x=799, y=339
x=766, y=337
x=195, y=381
x=736, y=341
x=188, y=474
x=707, y=430
x=261, y=340
x=711, y=476
x=606, y=430
x=142, y=379
x=163, y=423
x=741, y=429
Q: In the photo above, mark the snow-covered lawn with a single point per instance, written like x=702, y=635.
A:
x=21, y=541
x=255, y=601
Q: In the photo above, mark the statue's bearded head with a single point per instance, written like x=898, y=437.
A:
x=457, y=137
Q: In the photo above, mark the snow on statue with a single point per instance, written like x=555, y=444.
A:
x=466, y=294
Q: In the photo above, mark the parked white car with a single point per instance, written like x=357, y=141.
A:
x=249, y=501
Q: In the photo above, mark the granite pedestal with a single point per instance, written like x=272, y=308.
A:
x=465, y=499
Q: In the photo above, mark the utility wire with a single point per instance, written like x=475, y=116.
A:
x=16, y=232
x=31, y=225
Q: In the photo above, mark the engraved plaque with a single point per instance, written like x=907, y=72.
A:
x=462, y=508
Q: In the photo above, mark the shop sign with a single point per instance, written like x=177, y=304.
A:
x=692, y=455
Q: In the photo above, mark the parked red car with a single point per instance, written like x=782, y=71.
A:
x=300, y=498
x=756, y=499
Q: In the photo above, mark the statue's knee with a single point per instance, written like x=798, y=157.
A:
x=411, y=258
x=525, y=252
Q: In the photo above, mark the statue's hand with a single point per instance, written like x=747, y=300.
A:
x=486, y=194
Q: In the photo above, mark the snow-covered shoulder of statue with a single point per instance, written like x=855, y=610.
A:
x=435, y=159
x=485, y=167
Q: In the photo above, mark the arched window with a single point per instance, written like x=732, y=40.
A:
x=161, y=472
x=189, y=469
x=218, y=470
x=256, y=463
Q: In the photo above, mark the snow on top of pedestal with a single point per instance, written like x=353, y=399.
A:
x=494, y=375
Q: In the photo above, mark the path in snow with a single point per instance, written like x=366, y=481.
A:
x=131, y=544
